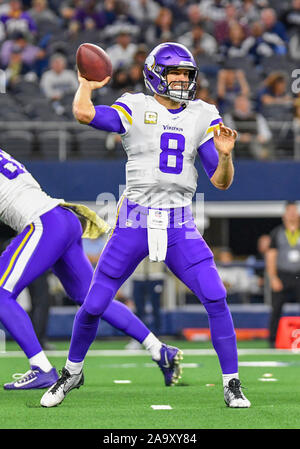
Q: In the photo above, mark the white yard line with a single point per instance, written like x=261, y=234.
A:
x=127, y=352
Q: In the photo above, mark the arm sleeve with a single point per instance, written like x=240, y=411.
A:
x=209, y=157
x=123, y=107
x=107, y=119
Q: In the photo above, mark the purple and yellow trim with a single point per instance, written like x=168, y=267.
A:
x=214, y=124
x=126, y=111
x=15, y=256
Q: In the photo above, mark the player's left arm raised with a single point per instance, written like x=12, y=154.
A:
x=224, y=141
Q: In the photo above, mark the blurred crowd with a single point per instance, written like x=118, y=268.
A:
x=247, y=52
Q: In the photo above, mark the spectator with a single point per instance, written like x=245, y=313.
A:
x=180, y=11
x=41, y=13
x=213, y=10
x=271, y=25
x=193, y=17
x=144, y=11
x=67, y=11
x=19, y=44
x=136, y=78
x=291, y=18
x=261, y=44
x=248, y=12
x=58, y=81
x=222, y=27
x=66, y=42
x=17, y=20
x=275, y=93
x=231, y=82
x=109, y=11
x=88, y=9
x=233, y=46
x=140, y=54
x=120, y=80
x=254, y=135
x=235, y=276
x=283, y=265
x=257, y=264
x=203, y=90
x=15, y=68
x=200, y=42
x=162, y=29
x=123, y=51
x=123, y=21
x=294, y=47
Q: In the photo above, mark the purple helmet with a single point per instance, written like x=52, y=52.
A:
x=163, y=57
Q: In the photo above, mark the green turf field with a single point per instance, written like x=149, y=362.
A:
x=196, y=404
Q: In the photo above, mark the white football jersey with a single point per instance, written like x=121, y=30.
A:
x=161, y=147
x=21, y=197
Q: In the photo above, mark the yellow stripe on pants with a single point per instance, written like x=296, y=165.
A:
x=15, y=255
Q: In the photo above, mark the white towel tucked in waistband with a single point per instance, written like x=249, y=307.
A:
x=157, y=224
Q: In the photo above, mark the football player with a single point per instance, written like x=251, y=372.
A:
x=161, y=134
x=49, y=236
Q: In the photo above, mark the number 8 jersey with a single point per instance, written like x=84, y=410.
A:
x=161, y=146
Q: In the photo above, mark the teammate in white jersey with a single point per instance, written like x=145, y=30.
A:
x=50, y=232
x=161, y=135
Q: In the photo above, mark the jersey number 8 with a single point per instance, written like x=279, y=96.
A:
x=172, y=146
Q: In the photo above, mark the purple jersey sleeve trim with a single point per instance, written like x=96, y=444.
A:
x=107, y=119
x=124, y=106
x=216, y=121
x=209, y=157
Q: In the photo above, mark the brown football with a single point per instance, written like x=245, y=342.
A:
x=93, y=62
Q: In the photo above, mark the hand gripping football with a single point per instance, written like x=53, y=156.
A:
x=93, y=62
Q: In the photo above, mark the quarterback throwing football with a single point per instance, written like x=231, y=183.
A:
x=161, y=135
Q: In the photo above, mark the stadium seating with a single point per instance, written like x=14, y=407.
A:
x=91, y=144
x=55, y=144
x=18, y=143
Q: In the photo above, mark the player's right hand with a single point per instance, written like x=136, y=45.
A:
x=92, y=84
x=276, y=284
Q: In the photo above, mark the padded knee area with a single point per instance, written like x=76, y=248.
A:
x=98, y=299
x=213, y=287
x=115, y=258
x=216, y=307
